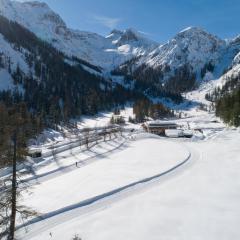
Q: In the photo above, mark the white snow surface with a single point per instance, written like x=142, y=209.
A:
x=198, y=200
x=137, y=186
x=108, y=173
x=16, y=58
x=10, y=56
x=141, y=186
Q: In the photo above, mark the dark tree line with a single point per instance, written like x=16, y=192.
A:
x=145, y=108
x=153, y=82
x=183, y=80
x=228, y=108
x=15, y=118
x=53, y=89
x=17, y=125
x=232, y=83
x=227, y=100
x=208, y=67
x=150, y=81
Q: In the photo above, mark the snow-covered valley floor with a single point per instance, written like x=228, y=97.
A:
x=150, y=188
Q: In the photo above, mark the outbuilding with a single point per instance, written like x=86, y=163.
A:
x=35, y=153
x=159, y=127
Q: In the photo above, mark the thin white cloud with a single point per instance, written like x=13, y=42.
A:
x=107, y=21
x=145, y=33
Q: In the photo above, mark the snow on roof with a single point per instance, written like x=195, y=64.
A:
x=161, y=123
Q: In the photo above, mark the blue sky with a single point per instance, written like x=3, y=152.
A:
x=160, y=19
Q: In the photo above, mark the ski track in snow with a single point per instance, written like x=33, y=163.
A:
x=96, y=203
x=39, y=178
x=66, y=169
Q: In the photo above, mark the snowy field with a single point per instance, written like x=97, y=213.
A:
x=198, y=200
x=139, y=186
x=110, y=172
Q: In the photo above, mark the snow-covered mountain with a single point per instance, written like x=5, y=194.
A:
x=234, y=45
x=188, y=58
x=11, y=58
x=91, y=47
x=132, y=41
x=192, y=46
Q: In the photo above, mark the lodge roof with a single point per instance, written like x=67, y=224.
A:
x=161, y=124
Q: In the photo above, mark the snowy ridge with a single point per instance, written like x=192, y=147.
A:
x=234, y=72
x=192, y=47
x=203, y=55
x=236, y=59
x=130, y=35
x=90, y=47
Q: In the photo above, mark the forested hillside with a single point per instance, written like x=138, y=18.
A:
x=228, y=108
x=16, y=120
x=54, y=88
x=227, y=99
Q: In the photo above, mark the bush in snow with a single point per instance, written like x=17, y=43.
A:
x=76, y=237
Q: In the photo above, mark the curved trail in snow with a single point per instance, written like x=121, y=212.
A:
x=93, y=204
x=39, y=178
x=66, y=169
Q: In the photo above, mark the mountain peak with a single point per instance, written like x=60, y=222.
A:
x=116, y=31
x=37, y=4
x=235, y=41
x=33, y=15
x=114, y=35
x=194, y=31
x=132, y=30
x=197, y=35
x=129, y=35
